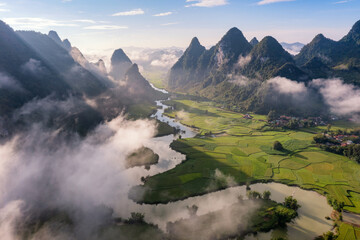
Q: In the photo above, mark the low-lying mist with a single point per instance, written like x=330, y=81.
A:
x=41, y=170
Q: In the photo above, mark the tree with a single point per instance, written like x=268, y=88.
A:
x=136, y=218
x=252, y=195
x=328, y=127
x=329, y=236
x=338, y=206
x=271, y=115
x=284, y=215
x=192, y=210
x=293, y=124
x=291, y=203
x=278, y=146
x=266, y=195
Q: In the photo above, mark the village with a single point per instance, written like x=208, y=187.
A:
x=291, y=122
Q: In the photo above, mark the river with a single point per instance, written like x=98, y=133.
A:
x=310, y=223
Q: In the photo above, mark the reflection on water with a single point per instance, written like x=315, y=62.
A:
x=310, y=223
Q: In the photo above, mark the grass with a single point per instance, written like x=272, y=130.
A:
x=347, y=231
x=164, y=129
x=245, y=153
x=138, y=111
x=156, y=78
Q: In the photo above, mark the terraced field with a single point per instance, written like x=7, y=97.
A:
x=243, y=154
x=348, y=232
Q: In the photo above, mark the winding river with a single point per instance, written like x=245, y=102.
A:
x=310, y=223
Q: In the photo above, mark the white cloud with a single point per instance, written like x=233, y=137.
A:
x=163, y=14
x=207, y=3
x=344, y=1
x=286, y=86
x=84, y=21
x=342, y=98
x=264, y=2
x=169, y=24
x=8, y=82
x=64, y=1
x=243, y=61
x=36, y=23
x=3, y=9
x=105, y=27
x=138, y=11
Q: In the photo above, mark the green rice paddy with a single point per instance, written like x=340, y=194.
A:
x=242, y=150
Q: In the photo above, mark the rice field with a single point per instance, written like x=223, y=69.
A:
x=245, y=154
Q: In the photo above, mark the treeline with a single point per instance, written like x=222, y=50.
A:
x=351, y=151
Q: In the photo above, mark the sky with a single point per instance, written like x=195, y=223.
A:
x=94, y=25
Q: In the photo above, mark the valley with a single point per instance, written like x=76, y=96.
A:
x=231, y=150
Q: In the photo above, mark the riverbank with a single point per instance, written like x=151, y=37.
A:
x=191, y=175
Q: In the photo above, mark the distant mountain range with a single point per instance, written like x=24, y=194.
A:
x=236, y=72
x=39, y=72
x=292, y=48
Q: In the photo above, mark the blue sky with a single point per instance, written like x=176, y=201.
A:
x=99, y=25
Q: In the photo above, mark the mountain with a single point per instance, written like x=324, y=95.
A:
x=292, y=48
x=42, y=82
x=267, y=59
x=354, y=35
x=101, y=66
x=342, y=58
x=184, y=70
x=77, y=77
x=97, y=71
x=320, y=47
x=120, y=63
x=198, y=65
x=26, y=74
x=138, y=86
x=64, y=44
x=254, y=41
x=230, y=47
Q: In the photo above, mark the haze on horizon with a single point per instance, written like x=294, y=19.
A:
x=100, y=26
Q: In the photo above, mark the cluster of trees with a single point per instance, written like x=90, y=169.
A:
x=252, y=195
x=351, y=151
x=136, y=218
x=278, y=146
x=291, y=203
x=338, y=206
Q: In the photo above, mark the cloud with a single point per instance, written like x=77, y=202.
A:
x=154, y=59
x=239, y=80
x=286, y=86
x=57, y=172
x=243, y=61
x=342, y=98
x=8, y=82
x=265, y=2
x=36, y=23
x=138, y=11
x=84, y=21
x=33, y=66
x=207, y=3
x=169, y=24
x=3, y=9
x=10, y=214
x=166, y=60
x=341, y=2
x=105, y=27
x=163, y=14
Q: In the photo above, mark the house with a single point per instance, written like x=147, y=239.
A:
x=248, y=116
